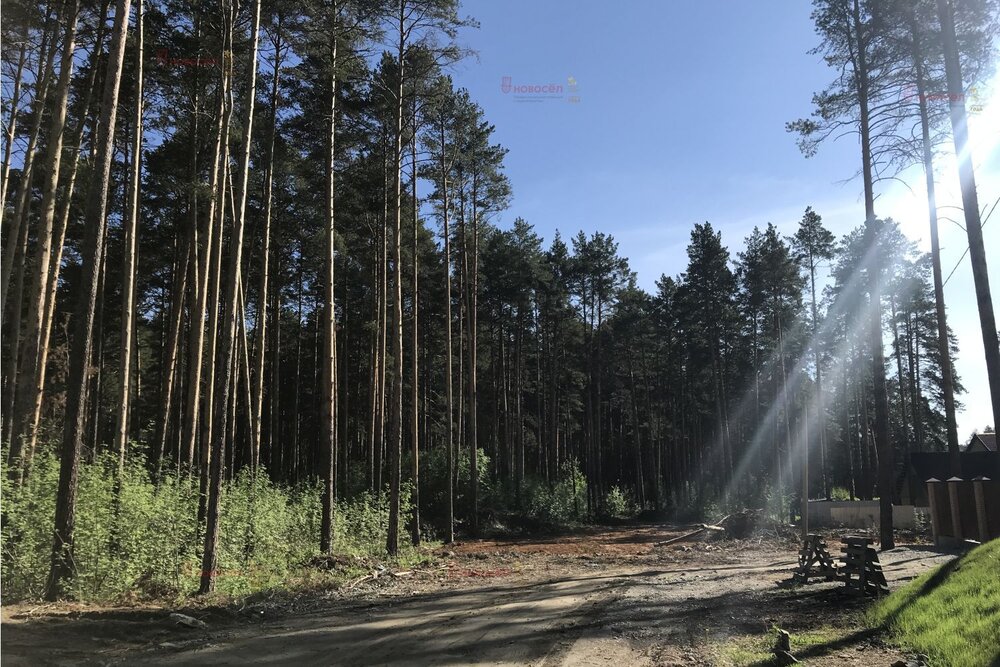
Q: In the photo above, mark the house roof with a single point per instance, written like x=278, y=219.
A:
x=988, y=440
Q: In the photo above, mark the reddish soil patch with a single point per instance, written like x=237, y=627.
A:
x=597, y=541
x=612, y=595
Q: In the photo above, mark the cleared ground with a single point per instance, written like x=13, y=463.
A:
x=610, y=596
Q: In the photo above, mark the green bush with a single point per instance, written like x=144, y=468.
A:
x=434, y=486
x=150, y=545
x=840, y=493
x=619, y=504
x=361, y=523
x=776, y=504
x=266, y=532
x=562, y=503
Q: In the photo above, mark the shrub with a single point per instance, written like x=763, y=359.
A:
x=776, y=505
x=839, y=493
x=562, y=503
x=434, y=486
x=148, y=543
x=361, y=523
x=619, y=504
x=147, y=540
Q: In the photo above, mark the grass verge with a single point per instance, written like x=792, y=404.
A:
x=952, y=613
x=757, y=650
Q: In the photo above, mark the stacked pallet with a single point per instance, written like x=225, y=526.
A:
x=815, y=554
x=862, y=571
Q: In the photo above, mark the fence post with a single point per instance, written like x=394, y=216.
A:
x=932, y=500
x=956, y=508
x=981, y=518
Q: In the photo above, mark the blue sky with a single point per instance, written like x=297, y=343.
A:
x=680, y=119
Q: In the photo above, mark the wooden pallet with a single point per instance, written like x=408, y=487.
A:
x=815, y=554
x=861, y=570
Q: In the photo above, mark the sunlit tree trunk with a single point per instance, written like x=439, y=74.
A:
x=260, y=333
x=92, y=251
x=204, y=270
x=414, y=361
x=31, y=337
x=396, y=434
x=11, y=125
x=449, y=396
x=223, y=362
x=883, y=443
x=947, y=377
x=55, y=267
x=128, y=278
x=328, y=396
x=970, y=203
x=17, y=230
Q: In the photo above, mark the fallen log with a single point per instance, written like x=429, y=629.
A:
x=704, y=527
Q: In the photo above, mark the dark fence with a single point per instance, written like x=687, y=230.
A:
x=964, y=509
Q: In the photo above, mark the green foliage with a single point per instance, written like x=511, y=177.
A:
x=951, y=613
x=434, y=485
x=776, y=504
x=840, y=493
x=148, y=544
x=619, y=504
x=361, y=523
x=28, y=515
x=267, y=530
x=562, y=503
x=144, y=541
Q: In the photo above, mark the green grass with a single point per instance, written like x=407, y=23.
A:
x=756, y=650
x=951, y=613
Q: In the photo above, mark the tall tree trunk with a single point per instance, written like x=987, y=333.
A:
x=883, y=443
x=206, y=273
x=376, y=358
x=206, y=420
x=415, y=333
x=383, y=388
x=31, y=336
x=223, y=363
x=11, y=130
x=471, y=292
x=128, y=278
x=27, y=368
x=329, y=430
x=970, y=203
x=927, y=152
x=18, y=227
x=396, y=436
x=171, y=369
x=62, y=570
x=449, y=397
x=898, y=354
x=820, y=404
x=260, y=326
x=55, y=267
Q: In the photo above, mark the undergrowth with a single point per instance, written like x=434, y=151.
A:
x=147, y=545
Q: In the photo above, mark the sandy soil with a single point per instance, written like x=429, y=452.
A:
x=608, y=596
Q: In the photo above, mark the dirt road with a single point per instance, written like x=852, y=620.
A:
x=607, y=597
